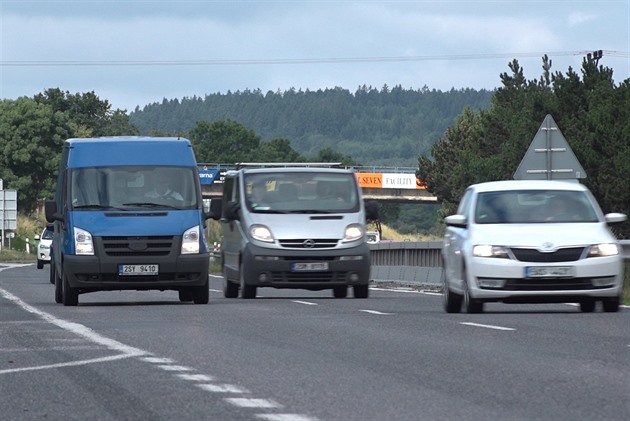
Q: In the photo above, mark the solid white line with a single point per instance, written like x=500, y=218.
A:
x=377, y=312
x=68, y=364
x=76, y=328
x=308, y=303
x=174, y=368
x=487, y=326
x=253, y=403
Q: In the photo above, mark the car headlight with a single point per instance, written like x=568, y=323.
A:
x=83, y=242
x=353, y=232
x=484, y=250
x=602, y=250
x=261, y=233
x=190, y=241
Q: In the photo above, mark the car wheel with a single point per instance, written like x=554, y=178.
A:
x=587, y=306
x=40, y=264
x=611, y=305
x=472, y=305
x=361, y=291
x=70, y=295
x=230, y=289
x=340, y=292
x=58, y=286
x=451, y=301
x=247, y=291
x=201, y=294
x=185, y=295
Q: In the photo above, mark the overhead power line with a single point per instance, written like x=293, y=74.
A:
x=330, y=60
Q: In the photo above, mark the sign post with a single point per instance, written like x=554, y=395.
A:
x=8, y=212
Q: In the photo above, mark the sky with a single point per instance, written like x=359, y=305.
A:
x=137, y=52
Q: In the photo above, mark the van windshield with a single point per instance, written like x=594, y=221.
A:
x=301, y=192
x=133, y=187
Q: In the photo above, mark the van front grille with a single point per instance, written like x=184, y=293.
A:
x=137, y=246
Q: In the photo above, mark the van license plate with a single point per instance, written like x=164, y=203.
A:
x=306, y=267
x=549, y=271
x=135, y=270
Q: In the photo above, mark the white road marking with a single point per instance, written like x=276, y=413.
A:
x=221, y=388
x=487, y=326
x=174, y=368
x=196, y=377
x=253, y=403
x=308, y=303
x=284, y=417
x=68, y=364
x=380, y=313
x=157, y=360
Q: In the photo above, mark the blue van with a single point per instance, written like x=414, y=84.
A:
x=128, y=215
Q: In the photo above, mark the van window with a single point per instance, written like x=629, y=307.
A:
x=133, y=187
x=301, y=192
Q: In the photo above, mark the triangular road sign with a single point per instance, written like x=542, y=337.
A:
x=549, y=156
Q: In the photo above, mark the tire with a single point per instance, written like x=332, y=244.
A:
x=451, y=301
x=247, y=291
x=361, y=291
x=472, y=306
x=51, y=273
x=40, y=264
x=185, y=295
x=587, y=306
x=611, y=305
x=201, y=294
x=69, y=295
x=230, y=289
x=58, y=286
x=340, y=292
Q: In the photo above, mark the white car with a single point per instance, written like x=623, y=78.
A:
x=43, y=247
x=530, y=241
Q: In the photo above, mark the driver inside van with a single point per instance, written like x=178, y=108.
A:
x=163, y=188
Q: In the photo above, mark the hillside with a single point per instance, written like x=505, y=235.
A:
x=388, y=127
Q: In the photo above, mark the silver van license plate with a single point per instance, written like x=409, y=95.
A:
x=306, y=267
x=135, y=270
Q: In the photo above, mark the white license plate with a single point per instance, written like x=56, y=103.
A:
x=306, y=267
x=135, y=270
x=549, y=271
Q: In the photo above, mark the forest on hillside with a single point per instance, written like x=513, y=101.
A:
x=386, y=127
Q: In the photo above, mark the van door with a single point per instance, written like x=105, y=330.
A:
x=231, y=228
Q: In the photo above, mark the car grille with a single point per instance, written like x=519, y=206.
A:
x=137, y=246
x=548, y=284
x=570, y=254
x=304, y=243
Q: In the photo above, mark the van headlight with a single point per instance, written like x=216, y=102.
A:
x=353, y=232
x=603, y=250
x=190, y=241
x=261, y=233
x=83, y=244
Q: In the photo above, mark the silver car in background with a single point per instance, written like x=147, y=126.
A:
x=529, y=241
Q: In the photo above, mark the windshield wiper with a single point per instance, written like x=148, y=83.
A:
x=95, y=206
x=151, y=205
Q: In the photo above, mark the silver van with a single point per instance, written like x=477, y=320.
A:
x=293, y=226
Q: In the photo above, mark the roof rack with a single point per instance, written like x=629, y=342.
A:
x=240, y=165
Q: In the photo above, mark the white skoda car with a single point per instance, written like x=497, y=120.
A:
x=529, y=241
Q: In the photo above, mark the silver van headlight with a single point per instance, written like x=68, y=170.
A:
x=261, y=233
x=353, y=232
x=190, y=241
x=83, y=244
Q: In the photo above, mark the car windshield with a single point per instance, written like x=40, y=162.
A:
x=302, y=192
x=534, y=206
x=133, y=187
x=47, y=234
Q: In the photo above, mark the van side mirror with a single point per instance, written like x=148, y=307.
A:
x=231, y=213
x=50, y=209
x=371, y=210
x=214, y=209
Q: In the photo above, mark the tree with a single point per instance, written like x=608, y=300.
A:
x=223, y=141
x=592, y=112
x=32, y=134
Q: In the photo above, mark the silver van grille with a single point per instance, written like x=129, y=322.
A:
x=309, y=243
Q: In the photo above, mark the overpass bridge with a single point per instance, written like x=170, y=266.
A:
x=392, y=184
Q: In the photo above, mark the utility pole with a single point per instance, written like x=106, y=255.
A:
x=595, y=55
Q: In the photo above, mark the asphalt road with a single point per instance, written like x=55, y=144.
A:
x=295, y=355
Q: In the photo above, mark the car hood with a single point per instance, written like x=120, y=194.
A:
x=292, y=226
x=171, y=222
x=535, y=235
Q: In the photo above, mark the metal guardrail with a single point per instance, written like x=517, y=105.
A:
x=420, y=262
